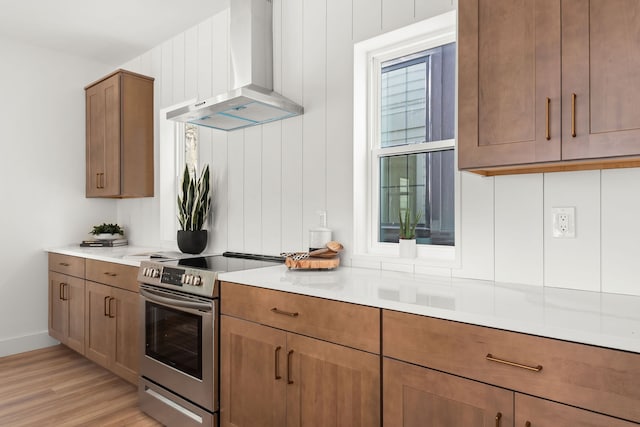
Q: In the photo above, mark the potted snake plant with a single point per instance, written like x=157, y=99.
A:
x=407, y=240
x=194, y=202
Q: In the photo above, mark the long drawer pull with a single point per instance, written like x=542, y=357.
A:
x=498, y=418
x=110, y=274
x=277, y=367
x=289, y=380
x=64, y=264
x=285, y=313
x=106, y=313
x=490, y=358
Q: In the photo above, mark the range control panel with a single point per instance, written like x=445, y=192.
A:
x=189, y=280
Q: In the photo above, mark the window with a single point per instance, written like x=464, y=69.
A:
x=404, y=138
x=417, y=108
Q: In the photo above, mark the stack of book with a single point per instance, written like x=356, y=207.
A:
x=104, y=243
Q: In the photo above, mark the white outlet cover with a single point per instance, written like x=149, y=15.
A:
x=564, y=222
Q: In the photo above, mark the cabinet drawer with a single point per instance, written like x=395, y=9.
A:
x=119, y=275
x=595, y=378
x=66, y=264
x=342, y=323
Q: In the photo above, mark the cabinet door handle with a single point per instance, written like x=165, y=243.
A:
x=573, y=114
x=289, y=380
x=277, y=367
x=111, y=315
x=490, y=358
x=61, y=291
x=106, y=313
x=498, y=418
x=527, y=424
x=548, y=132
x=284, y=313
x=65, y=291
x=110, y=274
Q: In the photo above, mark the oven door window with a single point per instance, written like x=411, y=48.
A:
x=174, y=338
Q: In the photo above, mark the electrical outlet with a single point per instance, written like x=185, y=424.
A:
x=564, y=222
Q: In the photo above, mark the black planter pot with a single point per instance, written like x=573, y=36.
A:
x=192, y=242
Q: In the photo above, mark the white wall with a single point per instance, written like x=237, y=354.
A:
x=271, y=179
x=42, y=169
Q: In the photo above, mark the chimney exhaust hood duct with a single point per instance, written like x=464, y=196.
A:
x=252, y=101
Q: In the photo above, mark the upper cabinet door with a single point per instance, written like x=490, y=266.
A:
x=509, y=82
x=600, y=78
x=120, y=136
x=103, y=138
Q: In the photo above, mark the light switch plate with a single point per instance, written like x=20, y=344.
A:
x=564, y=222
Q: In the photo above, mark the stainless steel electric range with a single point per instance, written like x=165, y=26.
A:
x=179, y=355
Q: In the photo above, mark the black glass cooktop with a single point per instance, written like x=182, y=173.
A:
x=228, y=261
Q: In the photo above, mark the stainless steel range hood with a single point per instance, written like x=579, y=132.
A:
x=253, y=100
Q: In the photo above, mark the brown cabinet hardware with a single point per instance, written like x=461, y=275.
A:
x=289, y=380
x=111, y=315
x=548, y=119
x=106, y=313
x=65, y=292
x=64, y=264
x=110, y=274
x=527, y=424
x=498, y=418
x=284, y=313
x=61, y=291
x=490, y=358
x=277, y=363
x=573, y=115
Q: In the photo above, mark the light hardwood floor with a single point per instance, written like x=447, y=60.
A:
x=55, y=386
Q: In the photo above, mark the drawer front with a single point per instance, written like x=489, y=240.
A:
x=66, y=264
x=589, y=377
x=118, y=275
x=338, y=322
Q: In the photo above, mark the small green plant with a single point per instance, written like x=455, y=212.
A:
x=105, y=228
x=407, y=227
x=195, y=200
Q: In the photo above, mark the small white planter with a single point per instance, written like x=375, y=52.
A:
x=408, y=248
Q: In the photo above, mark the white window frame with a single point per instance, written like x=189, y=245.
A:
x=171, y=148
x=369, y=55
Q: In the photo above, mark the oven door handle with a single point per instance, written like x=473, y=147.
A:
x=152, y=296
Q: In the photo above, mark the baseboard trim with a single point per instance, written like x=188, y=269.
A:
x=15, y=345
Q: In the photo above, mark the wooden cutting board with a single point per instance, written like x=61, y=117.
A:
x=313, y=263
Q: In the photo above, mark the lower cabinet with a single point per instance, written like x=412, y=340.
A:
x=111, y=321
x=66, y=310
x=536, y=412
x=414, y=396
x=271, y=377
x=441, y=373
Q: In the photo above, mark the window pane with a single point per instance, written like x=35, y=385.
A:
x=418, y=97
x=420, y=183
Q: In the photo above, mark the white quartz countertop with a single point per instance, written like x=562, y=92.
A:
x=128, y=255
x=607, y=320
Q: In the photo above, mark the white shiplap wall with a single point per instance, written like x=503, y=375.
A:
x=270, y=180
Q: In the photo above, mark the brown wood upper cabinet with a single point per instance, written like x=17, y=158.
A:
x=119, y=126
x=547, y=85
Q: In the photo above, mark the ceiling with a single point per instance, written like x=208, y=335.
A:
x=111, y=32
